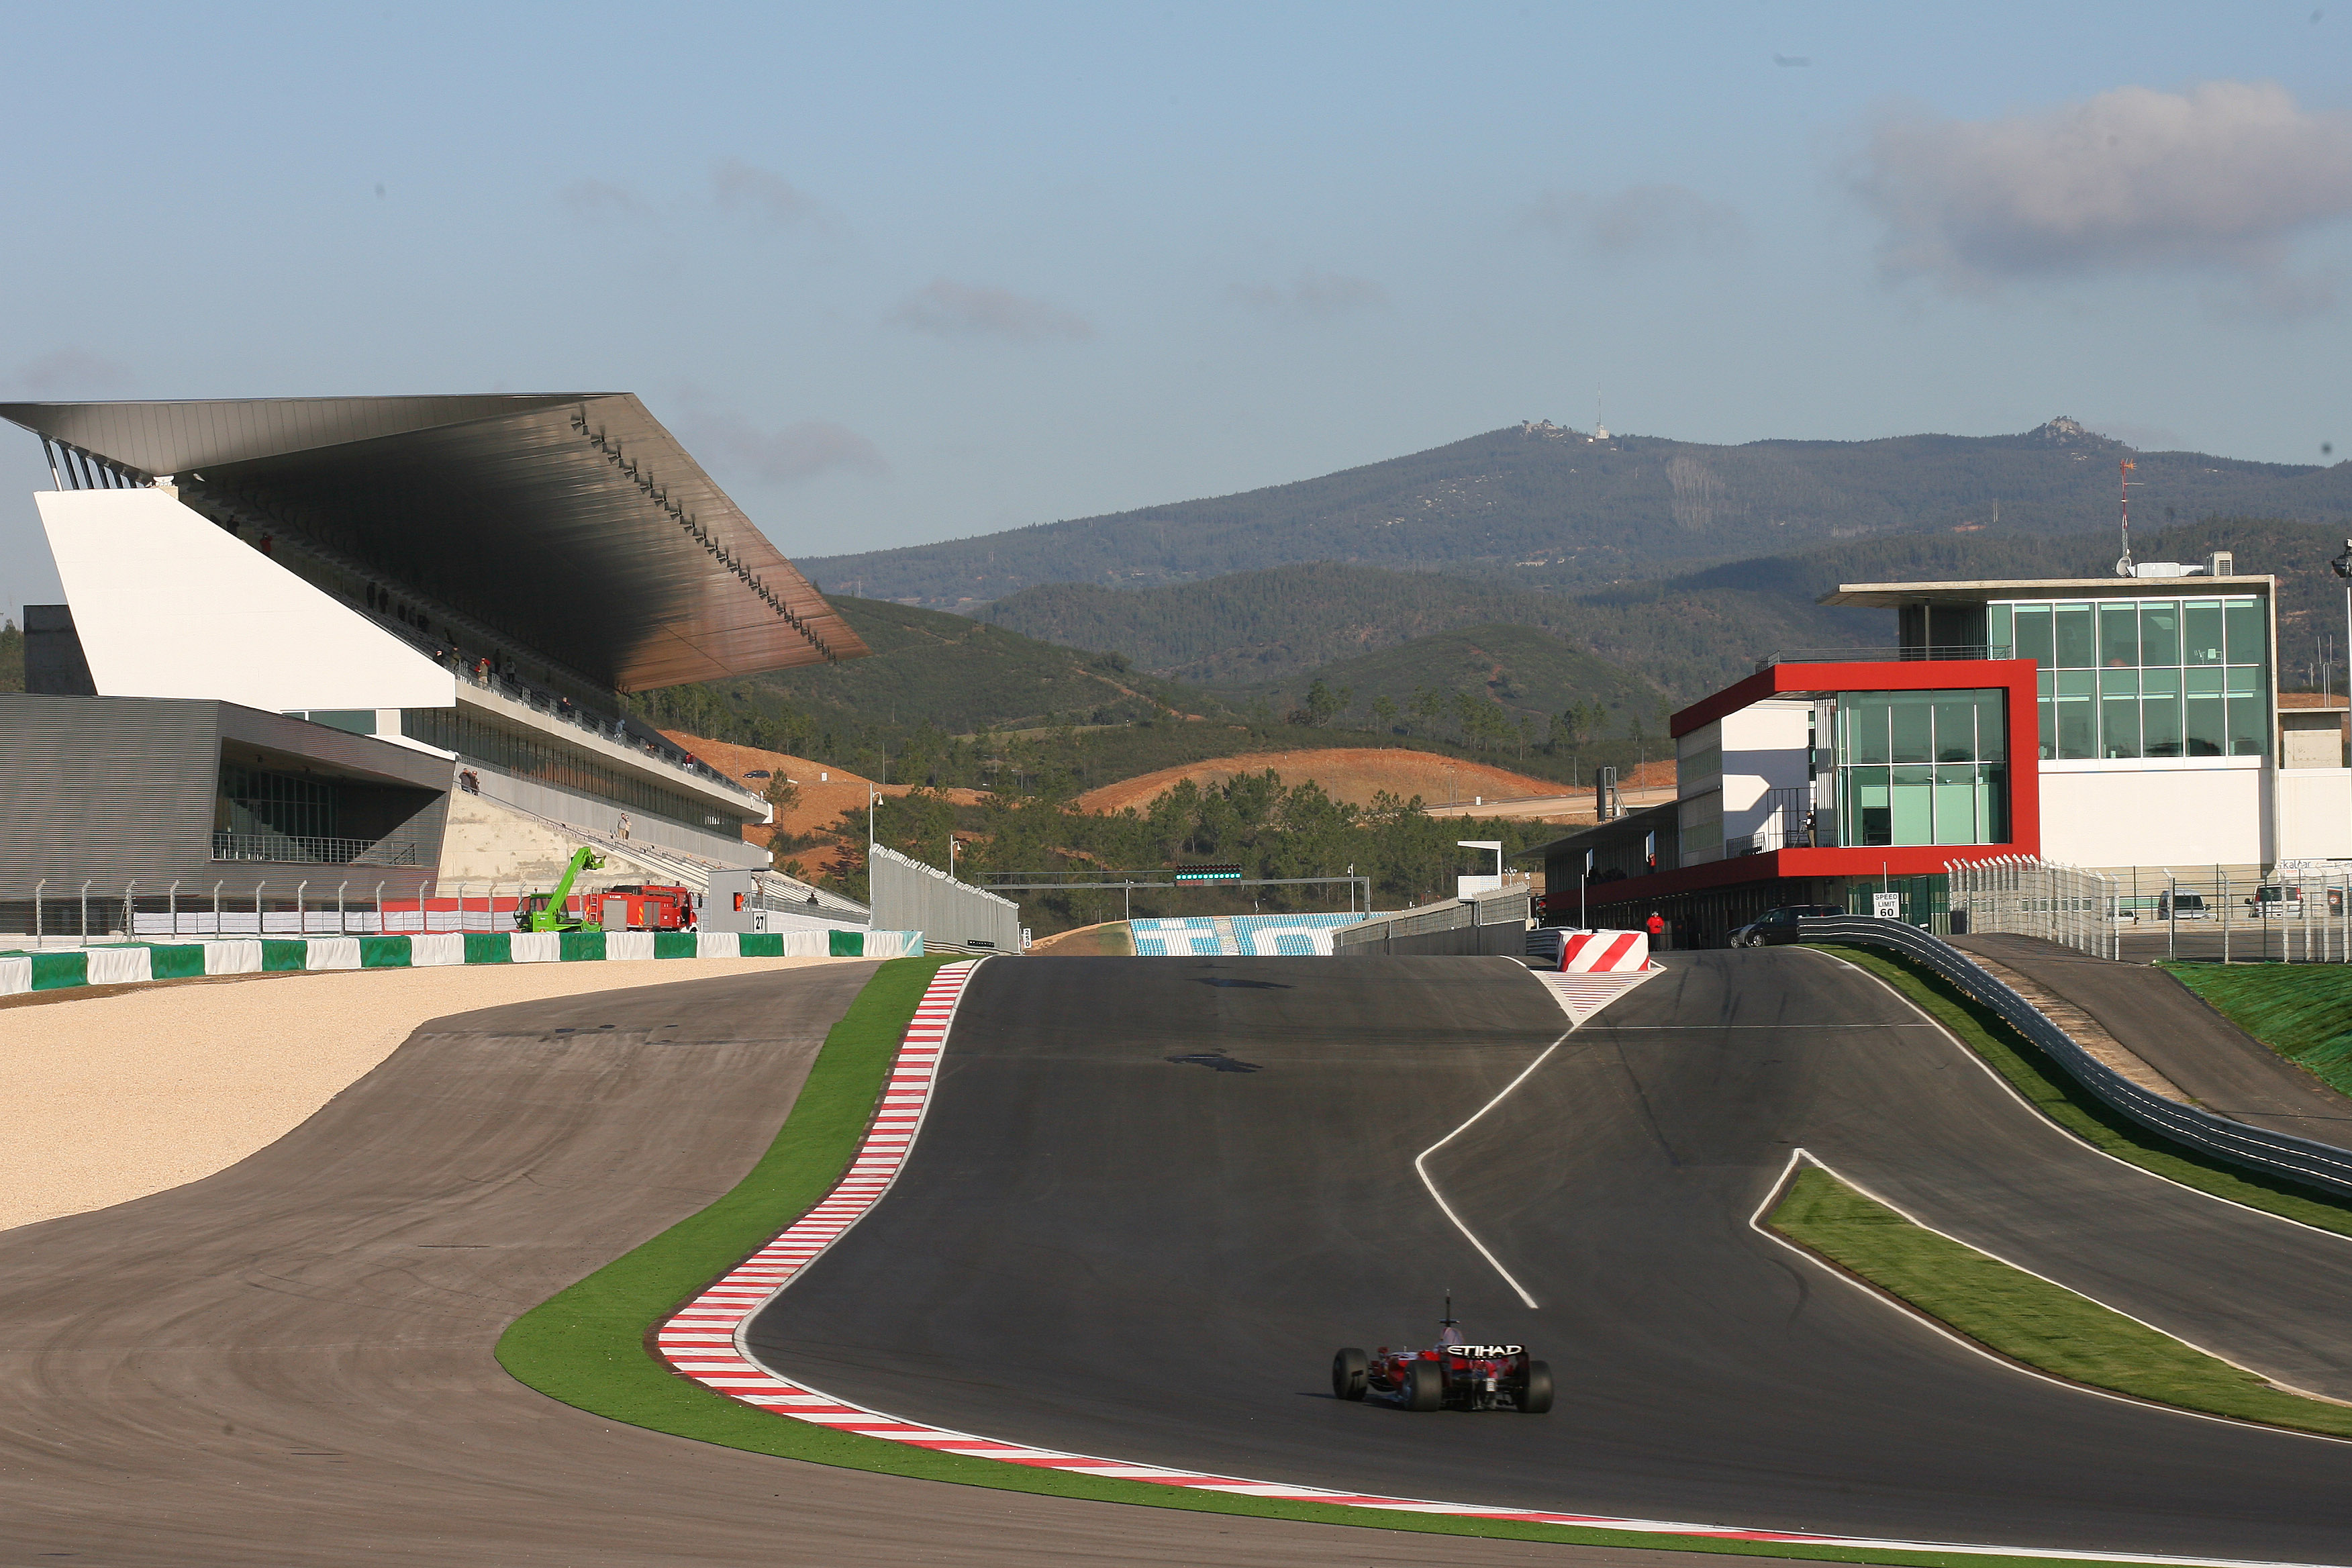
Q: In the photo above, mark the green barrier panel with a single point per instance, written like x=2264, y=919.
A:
x=385, y=953
x=575, y=946
x=281, y=957
x=489, y=947
x=755, y=946
x=845, y=943
x=56, y=971
x=176, y=962
x=674, y=944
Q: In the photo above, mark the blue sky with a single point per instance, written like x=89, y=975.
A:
x=900, y=273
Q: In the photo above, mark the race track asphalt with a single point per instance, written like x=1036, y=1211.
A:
x=291, y=1362
x=1098, y=1249
x=2172, y=1029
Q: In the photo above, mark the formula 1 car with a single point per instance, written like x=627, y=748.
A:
x=1452, y=1374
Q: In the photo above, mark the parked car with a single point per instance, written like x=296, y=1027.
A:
x=2182, y=907
x=1777, y=927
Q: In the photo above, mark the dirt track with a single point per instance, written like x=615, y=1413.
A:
x=1353, y=773
x=117, y=1096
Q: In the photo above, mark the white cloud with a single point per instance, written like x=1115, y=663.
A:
x=951, y=310
x=1317, y=296
x=69, y=373
x=799, y=451
x=2219, y=179
x=737, y=186
x=1640, y=220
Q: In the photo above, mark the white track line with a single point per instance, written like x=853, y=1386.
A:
x=704, y=1341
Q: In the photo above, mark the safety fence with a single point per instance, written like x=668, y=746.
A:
x=2299, y=913
x=2026, y=896
x=120, y=963
x=2321, y=1165
x=1489, y=922
x=950, y=914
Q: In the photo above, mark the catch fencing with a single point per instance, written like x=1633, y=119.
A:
x=909, y=895
x=1489, y=922
x=2318, y=1164
x=2300, y=912
x=2025, y=896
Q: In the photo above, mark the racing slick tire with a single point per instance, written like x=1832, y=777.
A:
x=1349, y=1370
x=1535, y=1394
x=1424, y=1387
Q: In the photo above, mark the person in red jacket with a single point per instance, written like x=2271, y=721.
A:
x=1657, y=927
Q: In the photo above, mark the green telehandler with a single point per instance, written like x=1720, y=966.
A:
x=551, y=911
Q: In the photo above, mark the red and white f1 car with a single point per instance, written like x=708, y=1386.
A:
x=1453, y=1374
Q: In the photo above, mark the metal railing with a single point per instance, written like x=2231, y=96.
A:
x=69, y=913
x=313, y=851
x=2023, y=895
x=1494, y=921
x=2321, y=1165
x=1883, y=655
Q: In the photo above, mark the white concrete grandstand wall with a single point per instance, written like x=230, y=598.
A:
x=170, y=604
x=2156, y=811
x=2314, y=813
x=604, y=817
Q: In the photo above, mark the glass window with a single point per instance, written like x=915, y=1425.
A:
x=1867, y=804
x=2119, y=683
x=1913, y=715
x=2049, y=728
x=2119, y=726
x=2242, y=682
x=2208, y=729
x=1992, y=724
x=2201, y=625
x=1912, y=791
x=1956, y=804
x=2159, y=633
x=2247, y=643
x=2160, y=724
x=2246, y=726
x=1993, y=804
x=2077, y=727
x=2032, y=633
x=1999, y=641
x=1956, y=729
x=2202, y=683
x=1865, y=720
x=2071, y=626
x=2120, y=636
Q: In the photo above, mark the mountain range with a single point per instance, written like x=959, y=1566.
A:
x=1542, y=507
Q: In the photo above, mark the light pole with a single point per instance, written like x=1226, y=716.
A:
x=2343, y=565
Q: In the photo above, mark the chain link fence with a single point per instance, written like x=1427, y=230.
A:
x=2025, y=896
x=2294, y=914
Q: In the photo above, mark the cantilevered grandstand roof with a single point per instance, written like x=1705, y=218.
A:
x=573, y=520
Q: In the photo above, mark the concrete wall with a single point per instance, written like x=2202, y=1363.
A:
x=169, y=604
x=2314, y=813
x=570, y=806
x=2157, y=811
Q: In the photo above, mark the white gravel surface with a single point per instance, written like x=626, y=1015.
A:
x=106, y=1099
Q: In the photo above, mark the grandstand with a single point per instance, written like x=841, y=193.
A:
x=472, y=583
x=1239, y=936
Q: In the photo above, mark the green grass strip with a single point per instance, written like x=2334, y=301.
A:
x=2029, y=1318
x=2302, y=1011
x=588, y=1345
x=2050, y=1089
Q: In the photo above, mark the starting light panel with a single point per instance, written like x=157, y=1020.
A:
x=1208, y=873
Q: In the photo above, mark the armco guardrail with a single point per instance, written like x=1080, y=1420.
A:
x=2320, y=1166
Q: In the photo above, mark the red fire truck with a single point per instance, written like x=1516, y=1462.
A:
x=646, y=906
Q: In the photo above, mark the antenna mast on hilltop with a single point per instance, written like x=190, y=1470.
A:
x=2123, y=564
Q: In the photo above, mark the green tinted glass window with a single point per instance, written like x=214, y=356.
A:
x=2159, y=633
x=2074, y=635
x=2032, y=634
x=2049, y=728
x=1992, y=724
x=1956, y=731
x=1913, y=727
x=2209, y=731
x=2160, y=726
x=2078, y=726
x=2119, y=727
x=1912, y=795
x=2247, y=643
x=1998, y=634
x=2246, y=726
x=2120, y=636
x=2200, y=632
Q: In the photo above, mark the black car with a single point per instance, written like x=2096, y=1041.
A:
x=1775, y=927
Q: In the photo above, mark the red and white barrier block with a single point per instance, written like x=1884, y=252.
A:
x=1586, y=970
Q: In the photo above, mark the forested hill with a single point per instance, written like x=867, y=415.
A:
x=1542, y=507
x=1689, y=633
